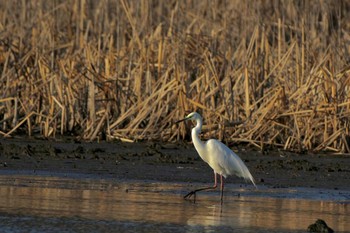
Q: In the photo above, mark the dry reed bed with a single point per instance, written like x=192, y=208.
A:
x=267, y=73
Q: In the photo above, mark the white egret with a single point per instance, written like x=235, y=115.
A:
x=220, y=158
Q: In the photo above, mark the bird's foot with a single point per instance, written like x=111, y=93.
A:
x=190, y=194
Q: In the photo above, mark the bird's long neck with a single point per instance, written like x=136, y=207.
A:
x=198, y=144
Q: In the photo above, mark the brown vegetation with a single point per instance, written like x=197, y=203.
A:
x=264, y=72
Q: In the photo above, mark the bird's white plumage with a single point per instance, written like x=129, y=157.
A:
x=225, y=162
x=219, y=157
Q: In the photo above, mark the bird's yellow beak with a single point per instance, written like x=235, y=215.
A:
x=181, y=120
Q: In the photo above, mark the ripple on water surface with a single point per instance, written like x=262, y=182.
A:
x=56, y=204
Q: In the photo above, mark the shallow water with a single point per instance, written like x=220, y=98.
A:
x=58, y=204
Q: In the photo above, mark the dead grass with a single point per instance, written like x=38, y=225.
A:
x=270, y=73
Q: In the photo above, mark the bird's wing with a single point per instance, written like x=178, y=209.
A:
x=229, y=162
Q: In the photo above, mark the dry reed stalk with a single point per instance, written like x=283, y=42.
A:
x=63, y=114
x=19, y=124
x=246, y=91
x=128, y=70
x=97, y=130
x=135, y=36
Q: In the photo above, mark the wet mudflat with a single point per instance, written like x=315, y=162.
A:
x=58, y=204
x=71, y=186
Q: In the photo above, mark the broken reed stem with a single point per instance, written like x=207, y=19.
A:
x=19, y=124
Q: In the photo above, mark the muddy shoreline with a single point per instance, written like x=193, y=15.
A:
x=167, y=162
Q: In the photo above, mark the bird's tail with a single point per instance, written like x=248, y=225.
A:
x=251, y=178
x=247, y=175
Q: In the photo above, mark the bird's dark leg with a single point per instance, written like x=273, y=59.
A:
x=222, y=188
x=189, y=195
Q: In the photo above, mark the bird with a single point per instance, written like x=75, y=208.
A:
x=218, y=156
